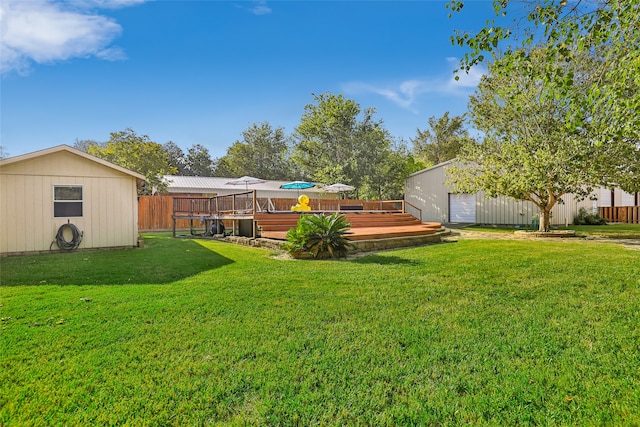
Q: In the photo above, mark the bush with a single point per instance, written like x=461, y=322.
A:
x=320, y=235
x=585, y=218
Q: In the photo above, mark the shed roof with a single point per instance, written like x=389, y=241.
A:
x=11, y=160
x=204, y=184
x=439, y=165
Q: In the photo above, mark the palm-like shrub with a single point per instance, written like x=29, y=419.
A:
x=320, y=235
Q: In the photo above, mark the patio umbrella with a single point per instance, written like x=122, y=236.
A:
x=297, y=185
x=338, y=188
x=246, y=180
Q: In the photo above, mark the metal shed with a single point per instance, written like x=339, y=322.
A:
x=427, y=190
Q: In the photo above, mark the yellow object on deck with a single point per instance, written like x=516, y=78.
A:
x=303, y=204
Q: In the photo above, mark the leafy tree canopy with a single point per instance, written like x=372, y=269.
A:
x=198, y=161
x=442, y=142
x=529, y=153
x=175, y=157
x=137, y=153
x=338, y=142
x=263, y=152
x=84, y=144
x=605, y=100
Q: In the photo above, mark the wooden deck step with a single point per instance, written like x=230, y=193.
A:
x=364, y=225
x=370, y=233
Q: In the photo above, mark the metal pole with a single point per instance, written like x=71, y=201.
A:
x=253, y=216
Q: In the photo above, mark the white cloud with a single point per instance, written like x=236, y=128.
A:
x=407, y=93
x=468, y=79
x=45, y=31
x=260, y=8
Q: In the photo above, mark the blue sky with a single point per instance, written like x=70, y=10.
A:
x=201, y=72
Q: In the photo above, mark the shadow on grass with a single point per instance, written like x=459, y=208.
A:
x=162, y=260
x=385, y=260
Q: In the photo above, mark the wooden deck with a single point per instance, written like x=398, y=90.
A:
x=365, y=225
x=248, y=215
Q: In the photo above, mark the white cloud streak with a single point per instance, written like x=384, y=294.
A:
x=46, y=31
x=260, y=8
x=407, y=93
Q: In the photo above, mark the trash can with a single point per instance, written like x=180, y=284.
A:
x=535, y=223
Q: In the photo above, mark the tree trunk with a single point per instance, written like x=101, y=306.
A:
x=545, y=219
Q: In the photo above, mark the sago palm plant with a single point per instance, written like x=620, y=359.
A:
x=320, y=235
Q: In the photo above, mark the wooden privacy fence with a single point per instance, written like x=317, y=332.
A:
x=154, y=213
x=624, y=214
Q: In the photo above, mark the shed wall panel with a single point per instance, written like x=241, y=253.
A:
x=428, y=192
x=627, y=199
x=604, y=198
x=504, y=210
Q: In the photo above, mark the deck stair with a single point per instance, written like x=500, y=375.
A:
x=364, y=225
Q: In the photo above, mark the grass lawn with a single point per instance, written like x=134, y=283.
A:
x=187, y=332
x=612, y=231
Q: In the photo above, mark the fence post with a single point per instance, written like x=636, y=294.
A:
x=254, y=232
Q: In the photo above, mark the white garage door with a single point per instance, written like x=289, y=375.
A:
x=462, y=208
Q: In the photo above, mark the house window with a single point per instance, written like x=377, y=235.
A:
x=67, y=201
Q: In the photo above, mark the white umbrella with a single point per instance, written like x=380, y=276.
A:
x=246, y=180
x=338, y=188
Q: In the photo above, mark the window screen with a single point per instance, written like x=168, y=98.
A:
x=67, y=201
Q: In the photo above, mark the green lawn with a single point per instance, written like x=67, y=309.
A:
x=187, y=332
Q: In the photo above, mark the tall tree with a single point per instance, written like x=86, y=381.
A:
x=442, y=142
x=4, y=154
x=529, y=153
x=175, y=157
x=263, y=152
x=198, y=161
x=607, y=101
x=337, y=142
x=388, y=182
x=325, y=139
x=139, y=154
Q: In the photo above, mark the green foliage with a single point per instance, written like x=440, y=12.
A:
x=85, y=144
x=321, y=235
x=337, y=142
x=442, y=142
x=136, y=153
x=263, y=152
x=198, y=161
x=586, y=218
x=175, y=157
x=602, y=99
x=528, y=152
x=187, y=332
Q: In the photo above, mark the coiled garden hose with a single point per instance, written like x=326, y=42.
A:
x=68, y=245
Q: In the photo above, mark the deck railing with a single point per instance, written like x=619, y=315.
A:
x=157, y=213
x=247, y=203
